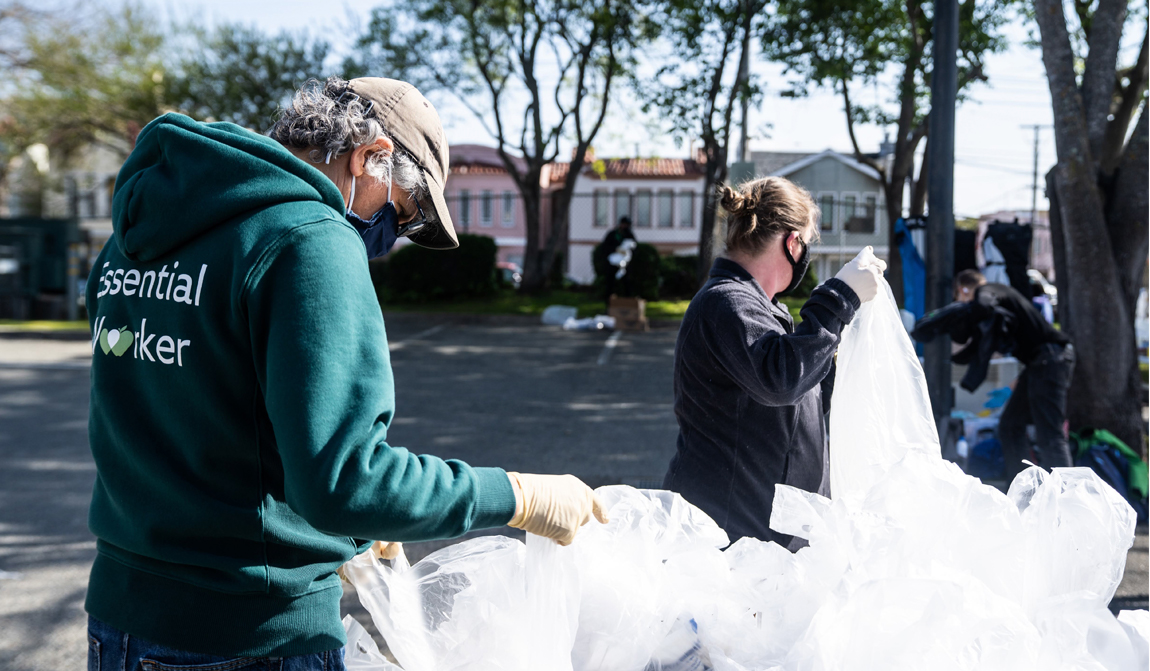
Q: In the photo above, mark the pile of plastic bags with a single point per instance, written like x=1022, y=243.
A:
x=912, y=565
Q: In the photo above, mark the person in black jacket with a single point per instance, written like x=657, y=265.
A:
x=992, y=318
x=611, y=243
x=751, y=388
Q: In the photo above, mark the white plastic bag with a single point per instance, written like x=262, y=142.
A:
x=556, y=315
x=880, y=407
x=361, y=653
x=630, y=599
x=486, y=603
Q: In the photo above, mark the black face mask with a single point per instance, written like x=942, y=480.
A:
x=798, y=268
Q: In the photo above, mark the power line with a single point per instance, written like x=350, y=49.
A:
x=987, y=166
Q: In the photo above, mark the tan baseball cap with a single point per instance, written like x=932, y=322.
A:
x=413, y=124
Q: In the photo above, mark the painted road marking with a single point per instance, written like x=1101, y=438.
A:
x=609, y=347
x=418, y=336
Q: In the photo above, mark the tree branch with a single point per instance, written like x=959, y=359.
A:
x=1129, y=96
x=1101, y=63
x=1058, y=57
x=851, y=131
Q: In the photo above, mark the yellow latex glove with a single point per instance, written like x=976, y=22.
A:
x=553, y=506
x=379, y=550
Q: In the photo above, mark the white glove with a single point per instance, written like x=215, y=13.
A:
x=553, y=506
x=379, y=550
x=863, y=274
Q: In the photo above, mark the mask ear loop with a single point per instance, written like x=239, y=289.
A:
x=351, y=198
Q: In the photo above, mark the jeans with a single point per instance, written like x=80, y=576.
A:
x=110, y=649
x=1039, y=398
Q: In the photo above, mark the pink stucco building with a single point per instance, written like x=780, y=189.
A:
x=484, y=200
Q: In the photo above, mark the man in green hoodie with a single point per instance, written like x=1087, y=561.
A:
x=242, y=388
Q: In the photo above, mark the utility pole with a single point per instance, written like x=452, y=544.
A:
x=1034, y=186
x=940, y=218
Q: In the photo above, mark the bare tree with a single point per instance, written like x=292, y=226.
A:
x=697, y=90
x=493, y=57
x=1098, y=198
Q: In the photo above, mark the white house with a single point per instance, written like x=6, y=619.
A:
x=850, y=198
x=662, y=196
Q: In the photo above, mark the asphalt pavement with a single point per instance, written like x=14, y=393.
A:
x=491, y=391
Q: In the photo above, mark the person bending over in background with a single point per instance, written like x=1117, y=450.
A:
x=751, y=388
x=990, y=318
x=242, y=389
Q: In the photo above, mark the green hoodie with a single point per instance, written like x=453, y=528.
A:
x=241, y=397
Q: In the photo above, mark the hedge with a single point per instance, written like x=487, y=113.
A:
x=414, y=273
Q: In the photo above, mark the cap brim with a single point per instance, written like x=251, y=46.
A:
x=441, y=234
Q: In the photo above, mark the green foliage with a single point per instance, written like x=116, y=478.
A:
x=87, y=81
x=240, y=74
x=416, y=273
x=678, y=276
x=696, y=86
x=806, y=286
x=841, y=42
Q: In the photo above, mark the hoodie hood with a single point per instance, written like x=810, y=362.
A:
x=185, y=177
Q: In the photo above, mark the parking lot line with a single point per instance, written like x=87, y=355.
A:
x=609, y=347
x=418, y=336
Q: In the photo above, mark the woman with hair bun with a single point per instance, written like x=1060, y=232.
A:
x=751, y=388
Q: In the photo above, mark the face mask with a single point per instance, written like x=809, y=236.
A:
x=379, y=232
x=798, y=268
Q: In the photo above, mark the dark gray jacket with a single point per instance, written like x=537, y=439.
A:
x=751, y=391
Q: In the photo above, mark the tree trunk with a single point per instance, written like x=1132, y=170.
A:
x=1106, y=390
x=534, y=277
x=1093, y=310
x=715, y=170
x=918, y=196
x=560, y=222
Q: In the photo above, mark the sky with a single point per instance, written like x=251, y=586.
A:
x=994, y=144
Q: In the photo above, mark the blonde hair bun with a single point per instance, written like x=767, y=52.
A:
x=760, y=210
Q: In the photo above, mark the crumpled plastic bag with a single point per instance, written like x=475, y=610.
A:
x=638, y=573
x=489, y=602
x=361, y=653
x=911, y=565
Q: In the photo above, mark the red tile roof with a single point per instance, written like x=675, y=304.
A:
x=477, y=169
x=633, y=167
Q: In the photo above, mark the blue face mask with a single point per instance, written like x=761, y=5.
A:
x=380, y=232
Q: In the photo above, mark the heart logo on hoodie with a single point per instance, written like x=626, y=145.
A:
x=117, y=342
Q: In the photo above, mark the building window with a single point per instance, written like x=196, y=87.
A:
x=848, y=205
x=507, y=211
x=687, y=209
x=666, y=205
x=860, y=218
x=826, y=212
x=643, y=209
x=622, y=204
x=465, y=208
x=602, y=209
x=486, y=207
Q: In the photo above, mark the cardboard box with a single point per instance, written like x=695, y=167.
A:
x=639, y=324
x=633, y=303
x=629, y=311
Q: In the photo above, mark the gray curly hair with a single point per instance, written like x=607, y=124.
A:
x=326, y=118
